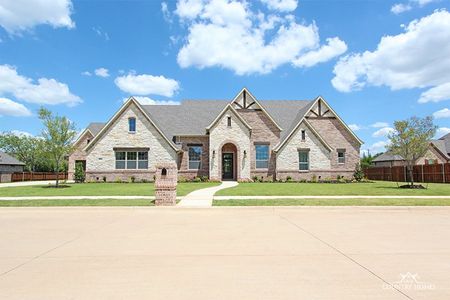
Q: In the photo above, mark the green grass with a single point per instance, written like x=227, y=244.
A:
x=99, y=189
x=80, y=202
x=379, y=188
x=334, y=202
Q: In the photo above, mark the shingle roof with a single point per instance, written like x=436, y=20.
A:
x=387, y=156
x=95, y=127
x=192, y=117
x=443, y=145
x=6, y=159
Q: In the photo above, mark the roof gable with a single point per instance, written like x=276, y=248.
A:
x=228, y=107
x=129, y=102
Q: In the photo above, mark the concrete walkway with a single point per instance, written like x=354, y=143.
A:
x=204, y=197
x=29, y=183
x=328, y=197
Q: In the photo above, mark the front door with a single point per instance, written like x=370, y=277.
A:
x=227, y=166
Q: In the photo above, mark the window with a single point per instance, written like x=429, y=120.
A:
x=229, y=121
x=303, y=160
x=341, y=156
x=303, y=135
x=88, y=141
x=120, y=160
x=143, y=160
x=195, y=157
x=131, y=160
x=132, y=124
x=262, y=156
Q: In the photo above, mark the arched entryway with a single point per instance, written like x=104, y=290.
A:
x=229, y=161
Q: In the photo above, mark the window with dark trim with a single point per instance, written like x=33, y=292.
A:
x=262, y=156
x=195, y=157
x=229, y=121
x=303, y=160
x=341, y=156
x=131, y=160
x=132, y=124
x=303, y=135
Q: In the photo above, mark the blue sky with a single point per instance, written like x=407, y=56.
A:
x=82, y=58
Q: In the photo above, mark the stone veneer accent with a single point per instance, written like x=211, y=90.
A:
x=183, y=169
x=237, y=134
x=78, y=153
x=264, y=131
x=101, y=157
x=319, y=155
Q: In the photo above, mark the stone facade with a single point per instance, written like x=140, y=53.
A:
x=78, y=154
x=101, y=156
x=239, y=135
x=250, y=126
x=288, y=157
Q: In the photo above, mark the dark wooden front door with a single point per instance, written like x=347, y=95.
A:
x=227, y=166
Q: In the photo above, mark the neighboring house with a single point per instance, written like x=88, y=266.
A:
x=9, y=165
x=438, y=152
x=220, y=139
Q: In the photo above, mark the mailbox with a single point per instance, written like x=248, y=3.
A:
x=166, y=184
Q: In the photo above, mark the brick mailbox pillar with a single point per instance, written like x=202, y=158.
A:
x=166, y=184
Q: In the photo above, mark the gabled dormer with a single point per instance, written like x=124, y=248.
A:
x=244, y=100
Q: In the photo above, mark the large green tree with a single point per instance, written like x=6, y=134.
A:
x=28, y=149
x=411, y=139
x=59, y=134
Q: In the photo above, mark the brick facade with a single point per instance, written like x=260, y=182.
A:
x=78, y=153
x=183, y=160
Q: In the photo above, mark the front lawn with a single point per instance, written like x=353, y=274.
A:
x=334, y=202
x=99, y=189
x=80, y=202
x=379, y=188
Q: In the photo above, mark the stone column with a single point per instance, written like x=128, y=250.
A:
x=166, y=184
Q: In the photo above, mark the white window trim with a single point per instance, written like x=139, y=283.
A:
x=135, y=125
x=126, y=160
x=303, y=163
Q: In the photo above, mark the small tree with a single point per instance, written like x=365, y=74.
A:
x=79, y=175
x=359, y=173
x=59, y=134
x=411, y=140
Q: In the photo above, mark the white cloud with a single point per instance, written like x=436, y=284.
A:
x=45, y=91
x=260, y=43
x=147, y=85
x=335, y=47
x=21, y=133
x=436, y=94
x=354, y=127
x=442, y=114
x=442, y=131
x=11, y=108
x=400, y=8
x=86, y=73
x=379, y=125
x=101, y=33
x=376, y=147
x=417, y=58
x=382, y=132
x=281, y=5
x=166, y=13
x=23, y=15
x=102, y=72
x=148, y=101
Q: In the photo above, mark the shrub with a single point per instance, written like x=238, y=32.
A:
x=255, y=178
x=79, y=175
x=288, y=178
x=314, y=178
x=132, y=179
x=358, y=174
x=104, y=178
x=182, y=179
x=204, y=178
x=197, y=179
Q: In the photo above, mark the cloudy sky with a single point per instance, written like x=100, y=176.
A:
x=374, y=61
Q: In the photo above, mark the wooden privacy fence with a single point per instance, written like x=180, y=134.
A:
x=439, y=173
x=36, y=176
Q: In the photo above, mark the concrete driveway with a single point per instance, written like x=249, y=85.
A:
x=225, y=253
